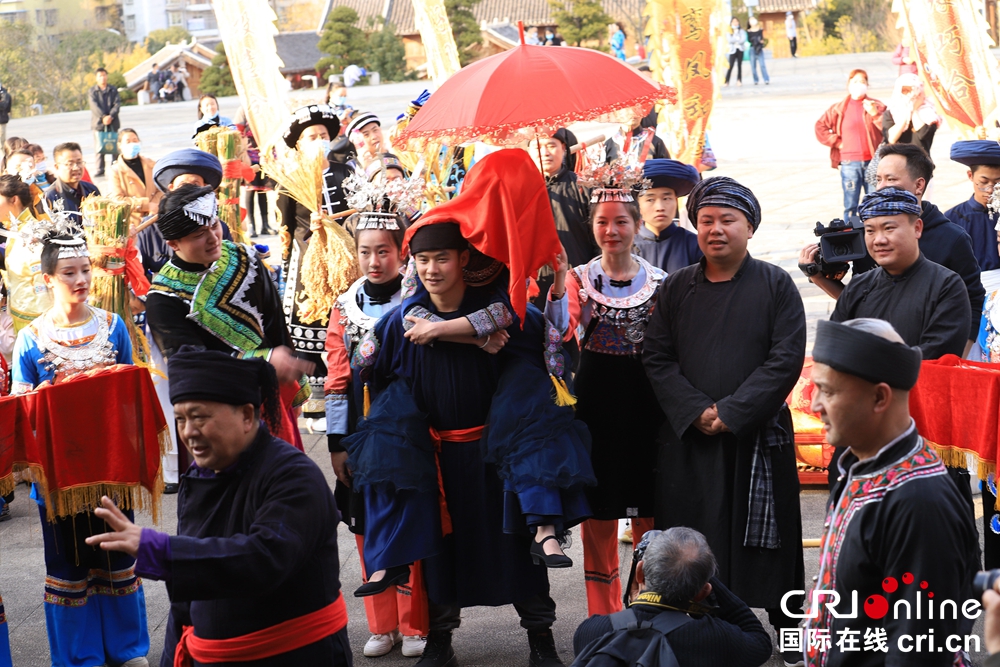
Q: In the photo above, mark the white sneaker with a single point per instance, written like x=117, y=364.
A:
x=137, y=662
x=413, y=647
x=381, y=644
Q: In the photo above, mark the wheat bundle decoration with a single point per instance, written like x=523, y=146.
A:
x=330, y=265
x=106, y=226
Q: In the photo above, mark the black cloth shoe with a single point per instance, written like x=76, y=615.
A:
x=549, y=560
x=171, y=489
x=399, y=574
x=438, y=651
x=543, y=650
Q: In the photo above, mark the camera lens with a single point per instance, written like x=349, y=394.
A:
x=985, y=580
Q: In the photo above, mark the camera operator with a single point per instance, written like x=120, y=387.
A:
x=893, y=509
x=908, y=167
x=681, y=608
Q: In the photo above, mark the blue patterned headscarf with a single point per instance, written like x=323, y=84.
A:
x=888, y=201
x=726, y=192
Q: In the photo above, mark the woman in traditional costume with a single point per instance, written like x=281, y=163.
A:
x=608, y=301
x=95, y=608
x=311, y=129
x=398, y=613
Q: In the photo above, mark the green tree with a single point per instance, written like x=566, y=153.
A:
x=157, y=39
x=464, y=27
x=386, y=55
x=342, y=41
x=217, y=79
x=580, y=21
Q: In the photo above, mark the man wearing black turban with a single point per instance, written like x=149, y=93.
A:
x=893, y=509
x=215, y=293
x=724, y=348
x=256, y=544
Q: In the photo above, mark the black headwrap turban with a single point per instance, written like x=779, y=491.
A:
x=725, y=192
x=197, y=374
x=888, y=201
x=866, y=355
x=174, y=221
x=440, y=236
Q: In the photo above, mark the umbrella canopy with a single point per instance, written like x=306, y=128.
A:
x=511, y=97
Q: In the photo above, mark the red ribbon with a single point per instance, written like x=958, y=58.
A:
x=281, y=638
x=135, y=275
x=458, y=435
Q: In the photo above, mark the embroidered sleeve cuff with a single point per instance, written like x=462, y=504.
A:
x=557, y=312
x=336, y=414
x=490, y=320
x=153, y=559
x=261, y=353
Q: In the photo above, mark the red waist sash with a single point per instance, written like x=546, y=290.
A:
x=458, y=435
x=267, y=643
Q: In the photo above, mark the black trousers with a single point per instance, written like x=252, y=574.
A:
x=793, y=44
x=537, y=613
x=257, y=200
x=737, y=60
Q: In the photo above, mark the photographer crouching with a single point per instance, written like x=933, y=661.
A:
x=676, y=609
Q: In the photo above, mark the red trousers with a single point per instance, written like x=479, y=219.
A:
x=600, y=562
x=402, y=607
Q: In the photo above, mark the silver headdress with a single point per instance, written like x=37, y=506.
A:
x=381, y=201
x=614, y=180
x=203, y=209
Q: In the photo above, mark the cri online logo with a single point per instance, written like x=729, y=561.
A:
x=877, y=606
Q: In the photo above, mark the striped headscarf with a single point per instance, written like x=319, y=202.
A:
x=888, y=201
x=726, y=192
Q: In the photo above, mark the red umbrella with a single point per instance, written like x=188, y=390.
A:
x=508, y=98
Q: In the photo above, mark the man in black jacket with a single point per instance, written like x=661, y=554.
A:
x=908, y=167
x=104, y=107
x=6, y=101
x=256, y=544
x=676, y=577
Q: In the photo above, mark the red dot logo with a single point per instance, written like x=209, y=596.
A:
x=889, y=584
x=923, y=585
x=876, y=607
x=930, y=594
x=907, y=578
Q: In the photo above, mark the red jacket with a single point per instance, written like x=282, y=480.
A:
x=828, y=128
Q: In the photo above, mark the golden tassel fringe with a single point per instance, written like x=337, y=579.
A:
x=71, y=501
x=956, y=457
x=563, y=397
x=368, y=401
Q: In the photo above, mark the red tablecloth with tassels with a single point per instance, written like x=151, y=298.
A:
x=956, y=405
x=98, y=433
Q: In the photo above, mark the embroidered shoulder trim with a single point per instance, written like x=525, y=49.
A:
x=219, y=296
x=654, y=277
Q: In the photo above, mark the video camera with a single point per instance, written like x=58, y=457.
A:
x=839, y=243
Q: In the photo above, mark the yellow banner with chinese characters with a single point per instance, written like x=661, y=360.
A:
x=432, y=22
x=686, y=47
x=949, y=43
x=248, y=29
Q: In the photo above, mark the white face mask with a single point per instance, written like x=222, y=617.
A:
x=857, y=90
x=131, y=151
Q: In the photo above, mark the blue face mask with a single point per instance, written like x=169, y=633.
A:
x=131, y=151
x=341, y=101
x=322, y=145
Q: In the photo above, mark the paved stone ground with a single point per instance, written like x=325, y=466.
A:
x=762, y=135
